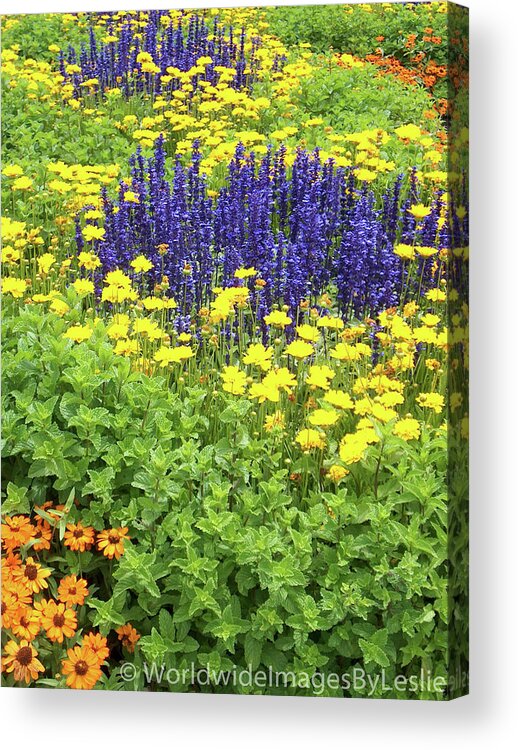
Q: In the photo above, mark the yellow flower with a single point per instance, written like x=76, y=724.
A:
x=320, y=376
x=345, y=352
x=141, y=264
x=22, y=183
x=45, y=262
x=323, y=417
x=434, y=401
x=264, y=392
x=300, y=349
x=330, y=322
x=426, y=252
x=117, y=278
x=408, y=132
x=117, y=330
x=259, y=355
x=15, y=287
x=282, y=379
x=339, y=399
x=351, y=452
x=419, y=211
x=91, y=232
x=308, y=333
x=425, y=335
x=278, y=319
x=114, y=294
x=78, y=333
x=12, y=170
x=391, y=399
x=336, y=473
x=383, y=413
x=308, y=439
x=245, y=273
x=10, y=254
x=83, y=287
x=234, y=380
x=131, y=197
x=90, y=261
x=407, y=428
x=59, y=307
x=153, y=303
x=430, y=320
x=406, y=252
x=126, y=347
x=274, y=420
x=166, y=355
x=436, y=295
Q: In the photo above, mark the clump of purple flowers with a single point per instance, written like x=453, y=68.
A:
x=178, y=45
x=307, y=231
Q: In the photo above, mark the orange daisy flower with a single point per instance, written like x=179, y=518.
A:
x=81, y=667
x=26, y=623
x=16, y=531
x=32, y=575
x=44, y=534
x=111, y=542
x=72, y=590
x=57, y=620
x=18, y=590
x=78, y=537
x=10, y=608
x=129, y=637
x=22, y=661
x=98, y=644
x=10, y=562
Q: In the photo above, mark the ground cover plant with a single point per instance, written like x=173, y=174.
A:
x=235, y=350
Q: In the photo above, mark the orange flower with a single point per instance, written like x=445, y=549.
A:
x=43, y=533
x=78, y=537
x=32, y=575
x=18, y=591
x=129, y=637
x=22, y=662
x=16, y=531
x=98, y=644
x=10, y=608
x=72, y=590
x=10, y=562
x=26, y=623
x=57, y=620
x=111, y=542
x=82, y=668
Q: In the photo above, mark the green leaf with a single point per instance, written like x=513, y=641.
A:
x=16, y=501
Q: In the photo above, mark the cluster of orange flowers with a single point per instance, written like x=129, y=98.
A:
x=26, y=612
x=18, y=531
x=422, y=71
x=427, y=73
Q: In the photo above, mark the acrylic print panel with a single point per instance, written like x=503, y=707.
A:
x=235, y=275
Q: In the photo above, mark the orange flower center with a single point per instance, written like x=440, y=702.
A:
x=24, y=656
x=72, y=591
x=58, y=621
x=31, y=572
x=78, y=533
x=114, y=538
x=81, y=668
